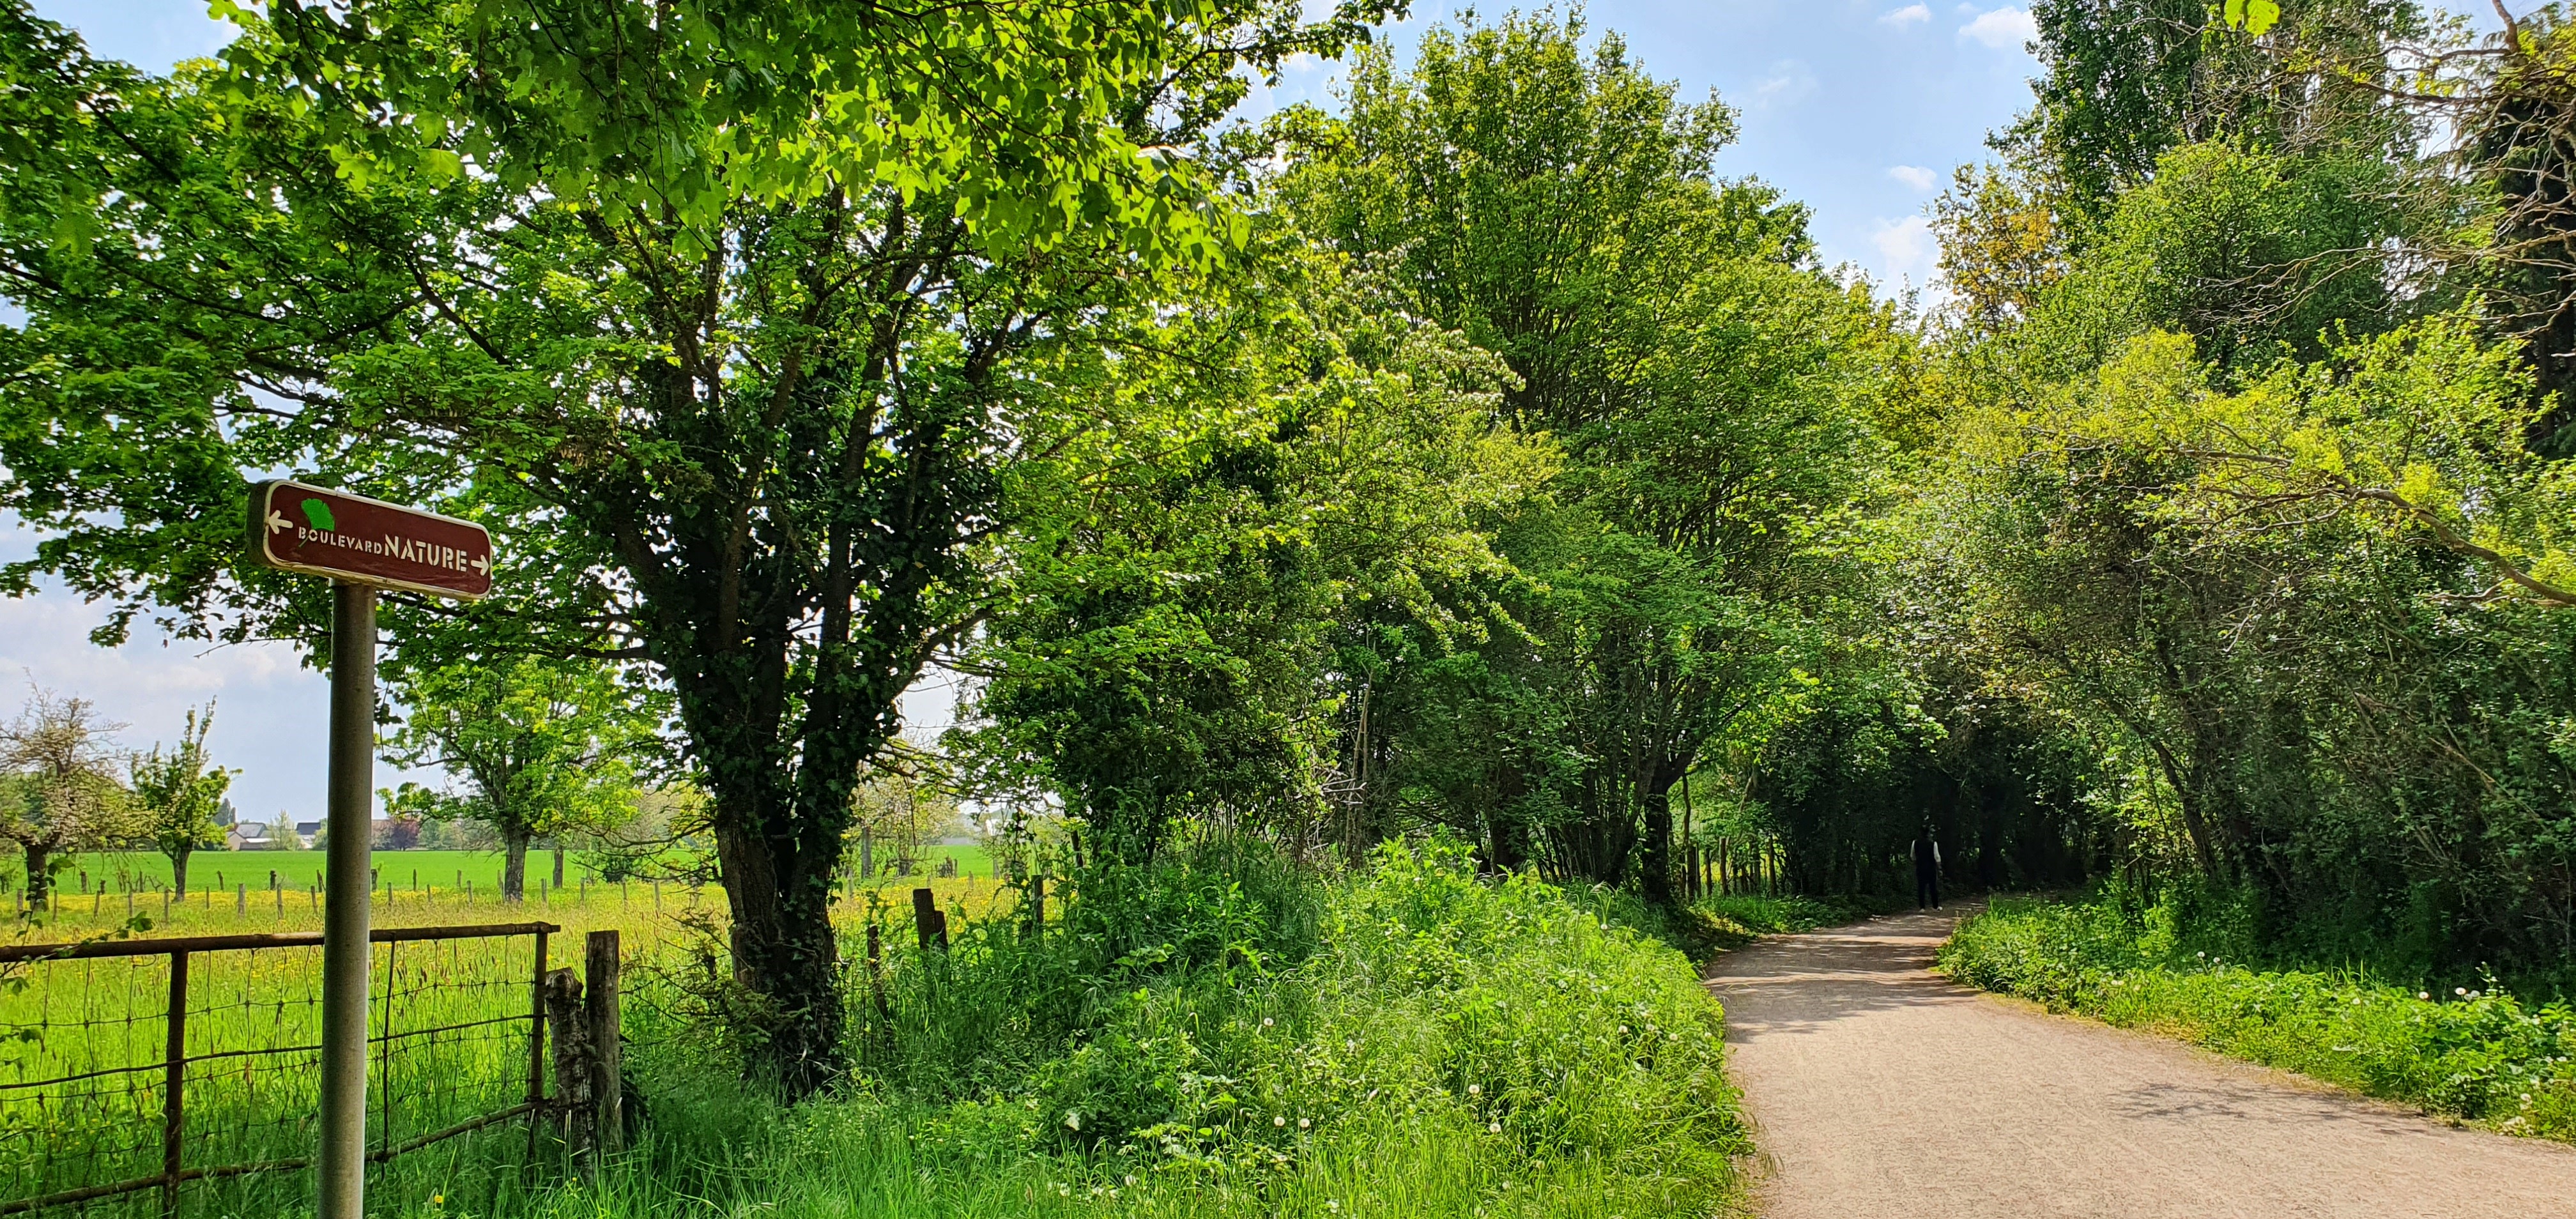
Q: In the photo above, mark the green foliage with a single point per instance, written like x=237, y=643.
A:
x=2475, y=1051
x=1715, y=397
x=177, y=795
x=1164, y=647
x=542, y=749
x=730, y=320
x=2257, y=256
x=1232, y=1036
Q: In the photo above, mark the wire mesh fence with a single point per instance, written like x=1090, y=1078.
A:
x=182, y=1075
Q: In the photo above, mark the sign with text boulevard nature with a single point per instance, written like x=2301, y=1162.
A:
x=322, y=532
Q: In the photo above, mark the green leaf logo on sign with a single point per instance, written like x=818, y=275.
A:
x=318, y=514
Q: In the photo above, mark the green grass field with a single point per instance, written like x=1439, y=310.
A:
x=445, y=871
x=81, y=1040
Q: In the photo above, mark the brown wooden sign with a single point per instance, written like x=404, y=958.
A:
x=322, y=532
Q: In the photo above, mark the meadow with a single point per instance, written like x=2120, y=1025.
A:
x=411, y=871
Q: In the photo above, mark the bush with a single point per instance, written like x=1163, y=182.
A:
x=2476, y=1053
x=1225, y=1036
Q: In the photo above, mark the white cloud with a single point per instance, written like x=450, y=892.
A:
x=1907, y=251
x=2004, y=29
x=1912, y=14
x=1912, y=175
x=1788, y=82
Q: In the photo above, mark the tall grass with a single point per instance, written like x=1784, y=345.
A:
x=1227, y=1037
x=1222, y=1034
x=2474, y=1052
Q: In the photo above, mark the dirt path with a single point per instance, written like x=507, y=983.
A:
x=1878, y=1089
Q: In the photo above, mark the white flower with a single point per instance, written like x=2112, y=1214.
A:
x=1475, y=1089
x=2423, y=994
x=1493, y=1127
x=1278, y=1121
x=2461, y=991
x=1623, y=1030
x=1266, y=1022
x=1332, y=1205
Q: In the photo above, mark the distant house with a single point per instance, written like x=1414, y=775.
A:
x=256, y=836
x=306, y=831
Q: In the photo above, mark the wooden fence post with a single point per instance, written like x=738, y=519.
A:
x=607, y=1086
x=574, y=1101
x=876, y=977
x=928, y=922
x=174, y=1080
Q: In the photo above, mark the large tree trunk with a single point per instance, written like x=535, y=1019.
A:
x=1655, y=861
x=780, y=895
x=40, y=884
x=514, y=865
x=179, y=873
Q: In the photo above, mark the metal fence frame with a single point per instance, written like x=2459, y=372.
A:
x=175, y=1059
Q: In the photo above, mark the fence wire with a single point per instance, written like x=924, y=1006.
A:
x=86, y=1065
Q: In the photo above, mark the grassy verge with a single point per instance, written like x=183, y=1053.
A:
x=2476, y=1053
x=1711, y=925
x=1408, y=1042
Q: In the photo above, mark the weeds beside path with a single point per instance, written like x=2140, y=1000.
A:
x=1876, y=1087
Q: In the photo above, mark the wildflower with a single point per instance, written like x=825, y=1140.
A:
x=1303, y=1123
x=1266, y=1022
x=2423, y=994
x=1475, y=1089
x=2461, y=991
x=1331, y=1205
x=1493, y=1127
x=1623, y=1030
x=1279, y=1121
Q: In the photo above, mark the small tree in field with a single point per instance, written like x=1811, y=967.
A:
x=61, y=795
x=178, y=794
x=893, y=809
x=535, y=748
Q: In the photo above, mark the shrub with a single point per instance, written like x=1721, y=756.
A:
x=1220, y=1036
x=2476, y=1052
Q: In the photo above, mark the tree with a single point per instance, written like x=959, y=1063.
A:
x=1559, y=207
x=179, y=794
x=715, y=311
x=542, y=749
x=1166, y=651
x=62, y=795
x=897, y=811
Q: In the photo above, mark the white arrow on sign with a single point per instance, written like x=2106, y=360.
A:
x=277, y=523
x=483, y=564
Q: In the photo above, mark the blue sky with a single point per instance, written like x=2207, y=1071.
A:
x=1858, y=107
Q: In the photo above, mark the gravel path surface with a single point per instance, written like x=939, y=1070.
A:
x=1878, y=1089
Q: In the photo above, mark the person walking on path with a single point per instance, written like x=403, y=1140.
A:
x=1927, y=871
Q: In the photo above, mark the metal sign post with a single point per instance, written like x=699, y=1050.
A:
x=346, y=918
x=362, y=545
